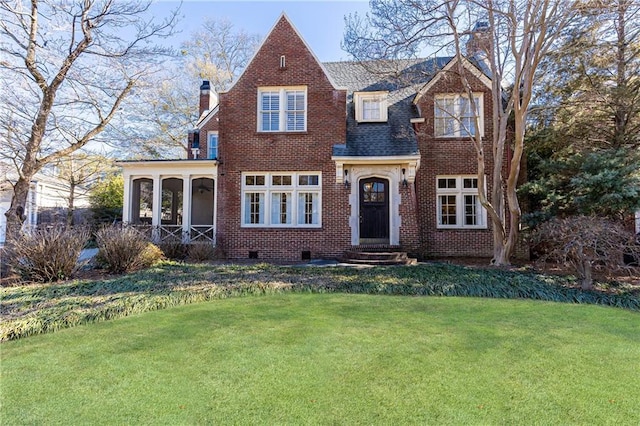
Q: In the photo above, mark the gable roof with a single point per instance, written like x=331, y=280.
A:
x=284, y=18
x=405, y=80
x=473, y=68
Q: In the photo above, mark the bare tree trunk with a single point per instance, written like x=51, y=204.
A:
x=70, y=206
x=621, y=113
x=16, y=213
x=586, y=282
x=46, y=68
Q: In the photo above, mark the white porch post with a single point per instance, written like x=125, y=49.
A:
x=215, y=207
x=156, y=217
x=126, y=199
x=186, y=208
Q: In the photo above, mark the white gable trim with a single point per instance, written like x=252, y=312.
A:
x=284, y=15
x=206, y=116
x=447, y=68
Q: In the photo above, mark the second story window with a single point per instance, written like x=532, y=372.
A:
x=212, y=146
x=454, y=116
x=371, y=107
x=282, y=109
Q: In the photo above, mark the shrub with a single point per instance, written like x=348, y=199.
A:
x=150, y=255
x=585, y=243
x=173, y=248
x=123, y=249
x=106, y=199
x=201, y=251
x=48, y=254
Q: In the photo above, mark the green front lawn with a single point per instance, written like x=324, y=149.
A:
x=333, y=359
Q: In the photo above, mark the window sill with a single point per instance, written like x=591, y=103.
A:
x=282, y=227
x=291, y=132
x=457, y=137
x=461, y=228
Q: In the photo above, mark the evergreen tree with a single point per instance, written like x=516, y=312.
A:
x=584, y=150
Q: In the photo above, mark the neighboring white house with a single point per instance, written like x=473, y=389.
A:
x=46, y=194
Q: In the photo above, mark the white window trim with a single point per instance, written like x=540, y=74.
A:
x=282, y=90
x=381, y=97
x=460, y=192
x=209, y=134
x=268, y=189
x=456, y=97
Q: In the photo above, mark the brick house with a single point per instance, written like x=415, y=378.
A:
x=301, y=159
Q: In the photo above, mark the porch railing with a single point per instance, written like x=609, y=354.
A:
x=165, y=233
x=169, y=233
x=201, y=233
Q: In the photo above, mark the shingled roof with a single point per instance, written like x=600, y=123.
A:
x=402, y=79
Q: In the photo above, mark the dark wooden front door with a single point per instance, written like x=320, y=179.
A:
x=374, y=210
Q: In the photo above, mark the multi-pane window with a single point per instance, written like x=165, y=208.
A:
x=370, y=109
x=212, y=146
x=281, y=208
x=282, y=109
x=454, y=116
x=270, y=111
x=281, y=199
x=373, y=192
x=458, y=204
x=254, y=212
x=295, y=111
x=370, y=106
x=308, y=208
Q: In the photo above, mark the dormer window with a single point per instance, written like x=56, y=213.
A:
x=371, y=107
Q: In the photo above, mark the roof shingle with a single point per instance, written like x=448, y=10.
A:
x=402, y=79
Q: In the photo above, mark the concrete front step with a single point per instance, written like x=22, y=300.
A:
x=377, y=258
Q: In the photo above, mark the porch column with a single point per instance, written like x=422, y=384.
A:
x=215, y=207
x=186, y=208
x=156, y=217
x=126, y=199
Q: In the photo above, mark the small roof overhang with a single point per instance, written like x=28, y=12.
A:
x=169, y=167
x=409, y=162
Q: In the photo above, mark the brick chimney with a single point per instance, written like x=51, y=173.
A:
x=479, y=42
x=208, y=98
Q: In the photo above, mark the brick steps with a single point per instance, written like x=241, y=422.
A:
x=377, y=257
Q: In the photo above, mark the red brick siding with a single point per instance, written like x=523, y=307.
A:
x=212, y=124
x=243, y=149
x=409, y=228
x=450, y=156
